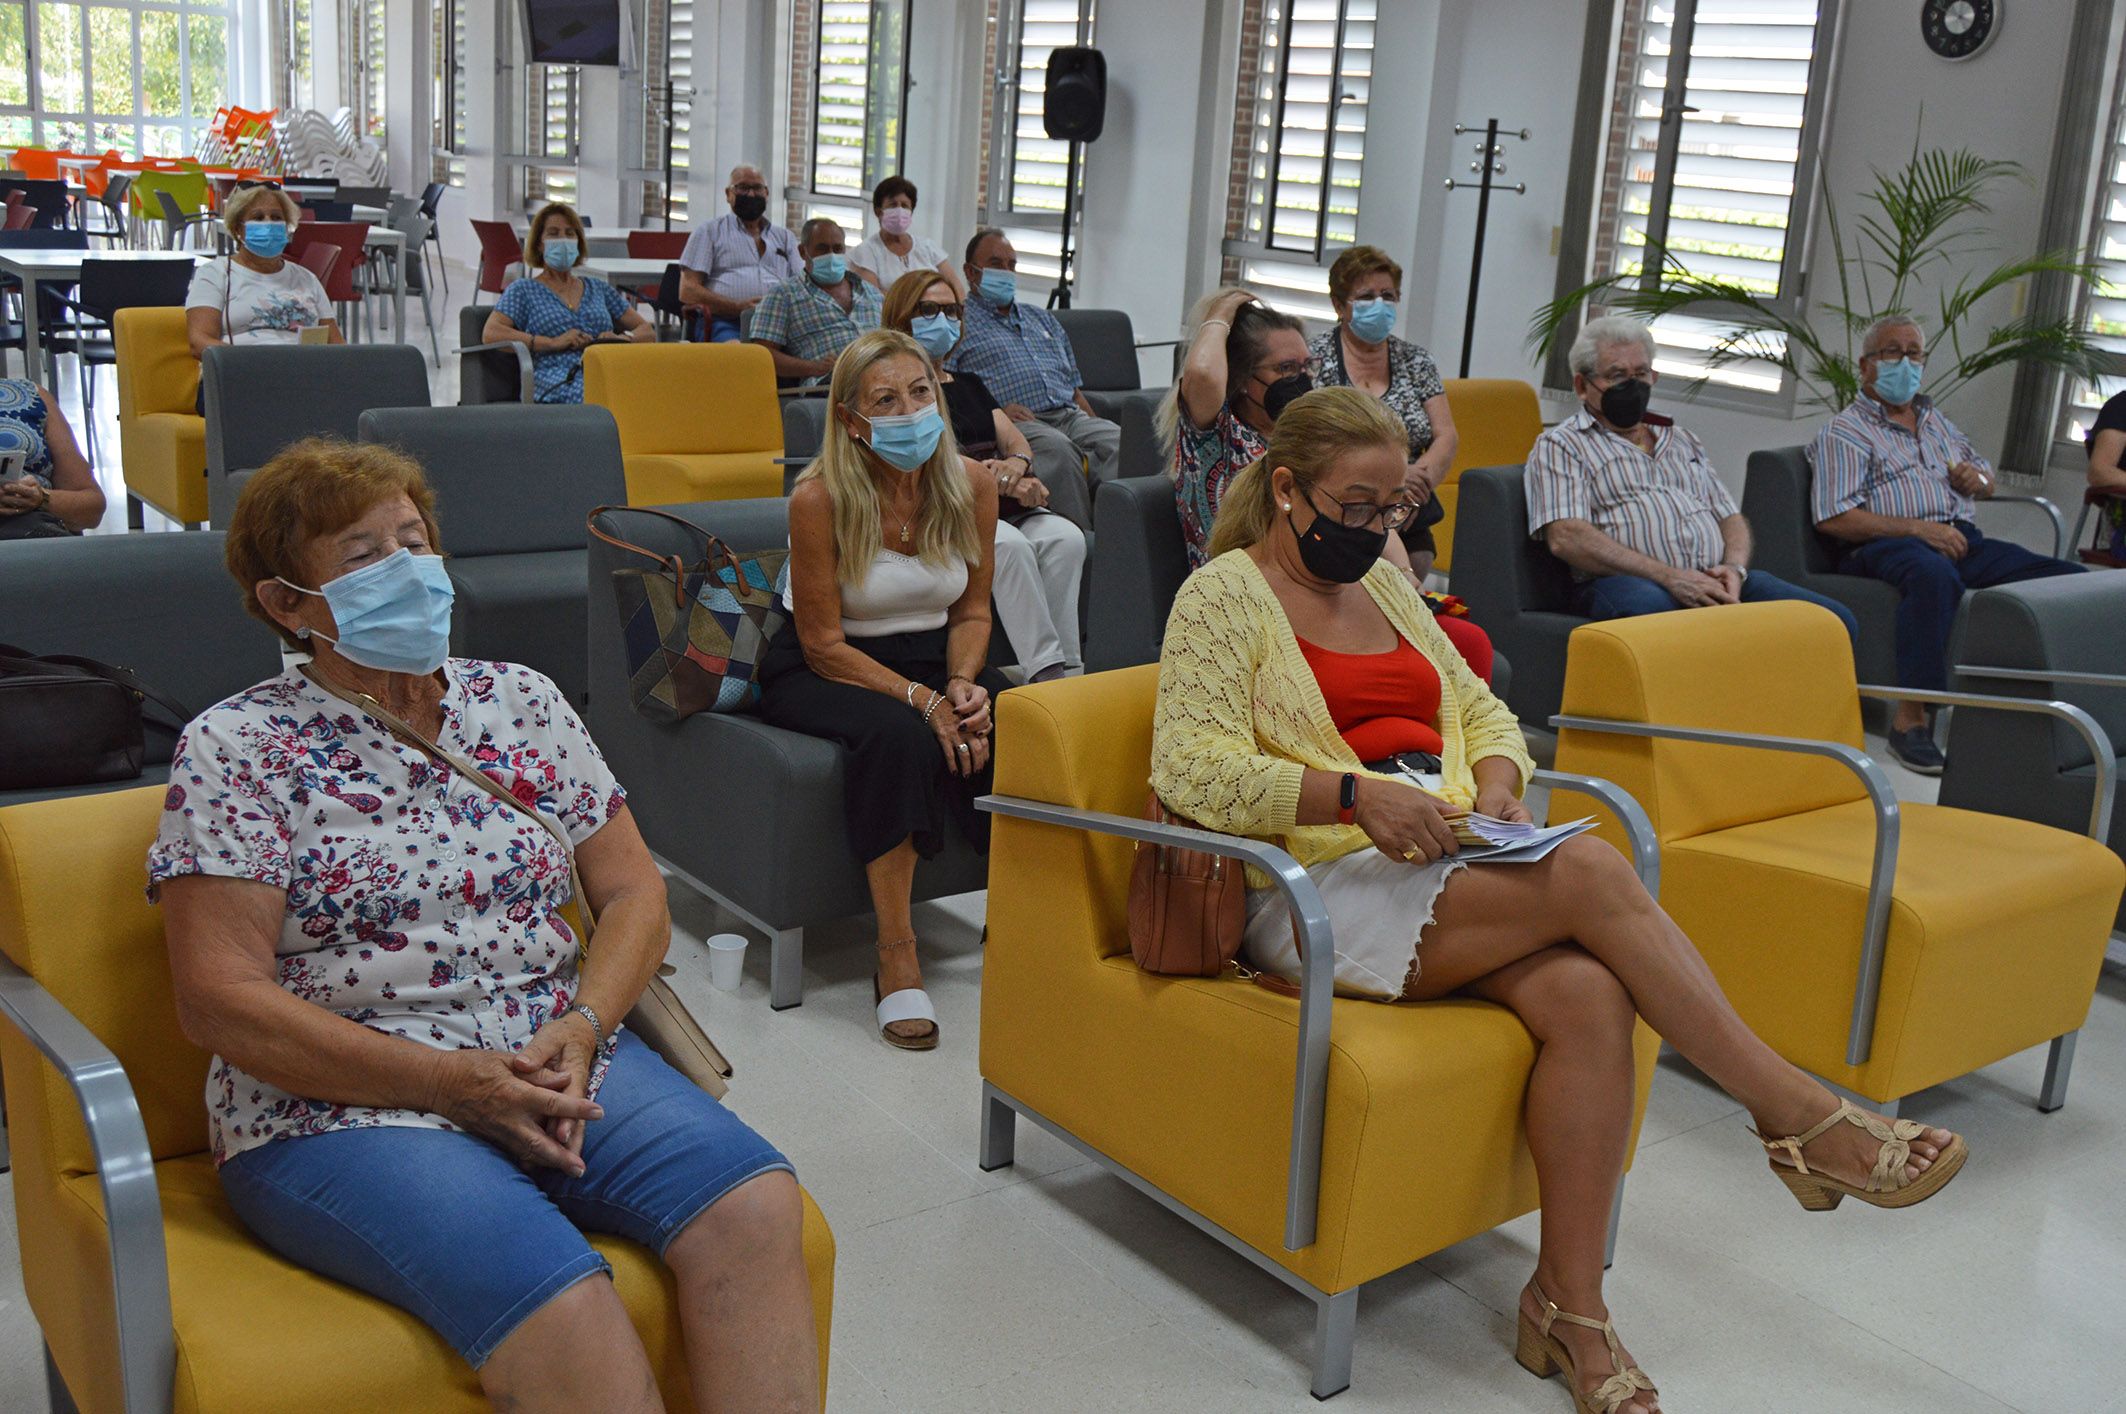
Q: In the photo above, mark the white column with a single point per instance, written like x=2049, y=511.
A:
x=407, y=94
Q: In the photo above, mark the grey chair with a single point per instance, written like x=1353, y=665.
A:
x=1520, y=592
x=513, y=486
x=1105, y=345
x=804, y=427
x=1135, y=567
x=161, y=605
x=259, y=398
x=1775, y=497
x=2048, y=639
x=748, y=814
x=490, y=373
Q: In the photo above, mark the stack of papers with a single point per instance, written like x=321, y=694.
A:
x=1489, y=840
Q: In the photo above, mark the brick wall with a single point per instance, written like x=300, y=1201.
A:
x=804, y=25
x=1617, y=155
x=1247, y=98
x=985, y=84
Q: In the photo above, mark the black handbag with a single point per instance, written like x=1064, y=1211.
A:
x=67, y=721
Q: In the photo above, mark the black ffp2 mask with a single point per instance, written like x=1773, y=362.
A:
x=1338, y=553
x=1624, y=404
x=1278, y=396
x=749, y=208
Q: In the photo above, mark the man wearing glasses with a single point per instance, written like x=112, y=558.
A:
x=731, y=261
x=1898, y=483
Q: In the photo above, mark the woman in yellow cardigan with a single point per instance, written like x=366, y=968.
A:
x=1307, y=697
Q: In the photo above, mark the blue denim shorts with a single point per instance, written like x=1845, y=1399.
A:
x=448, y=1227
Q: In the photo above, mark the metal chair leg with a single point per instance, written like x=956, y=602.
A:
x=786, y=969
x=55, y=1388
x=1616, y=1221
x=1000, y=1132
x=2059, y=1063
x=1335, y=1332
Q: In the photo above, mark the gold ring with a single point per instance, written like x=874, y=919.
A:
x=1409, y=854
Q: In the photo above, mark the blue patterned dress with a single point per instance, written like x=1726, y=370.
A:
x=22, y=428
x=535, y=309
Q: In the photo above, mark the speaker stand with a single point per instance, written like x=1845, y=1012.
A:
x=1059, y=294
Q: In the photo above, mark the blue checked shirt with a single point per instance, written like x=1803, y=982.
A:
x=1667, y=506
x=1021, y=354
x=805, y=322
x=1862, y=458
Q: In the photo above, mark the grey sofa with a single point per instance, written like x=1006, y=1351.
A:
x=489, y=373
x=2020, y=764
x=1775, y=497
x=259, y=398
x=513, y=485
x=161, y=605
x=1515, y=588
x=749, y=814
x=1105, y=346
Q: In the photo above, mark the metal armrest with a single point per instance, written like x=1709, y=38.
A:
x=125, y=1166
x=2044, y=675
x=525, y=390
x=1638, y=828
x=1875, y=936
x=808, y=390
x=2092, y=733
x=2059, y=522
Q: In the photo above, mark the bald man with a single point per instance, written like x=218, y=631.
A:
x=733, y=260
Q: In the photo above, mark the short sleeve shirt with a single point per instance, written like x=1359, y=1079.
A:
x=534, y=307
x=1206, y=459
x=805, y=321
x=873, y=255
x=417, y=905
x=1862, y=458
x=1413, y=379
x=258, y=308
x=22, y=429
x=722, y=252
x=1667, y=506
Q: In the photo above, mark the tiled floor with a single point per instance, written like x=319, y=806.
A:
x=1052, y=1286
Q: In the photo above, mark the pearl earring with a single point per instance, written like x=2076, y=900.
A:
x=1287, y=507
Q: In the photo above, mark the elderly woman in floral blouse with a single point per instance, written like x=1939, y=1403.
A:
x=419, y=1084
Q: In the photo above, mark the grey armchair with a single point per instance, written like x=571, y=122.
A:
x=2046, y=639
x=513, y=486
x=1515, y=588
x=489, y=373
x=749, y=814
x=1105, y=345
x=162, y=605
x=259, y=398
x=1134, y=569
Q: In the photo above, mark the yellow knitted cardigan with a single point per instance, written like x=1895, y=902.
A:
x=1240, y=718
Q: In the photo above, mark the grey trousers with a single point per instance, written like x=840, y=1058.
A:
x=1060, y=466
x=1099, y=439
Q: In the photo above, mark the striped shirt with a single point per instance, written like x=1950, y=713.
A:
x=1667, y=506
x=1862, y=458
x=722, y=252
x=805, y=322
x=1022, y=354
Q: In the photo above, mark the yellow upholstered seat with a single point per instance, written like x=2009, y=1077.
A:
x=1496, y=421
x=162, y=439
x=1187, y=1083
x=698, y=422
x=1995, y=927
x=249, y=1330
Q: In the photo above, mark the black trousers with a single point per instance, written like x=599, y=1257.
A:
x=894, y=779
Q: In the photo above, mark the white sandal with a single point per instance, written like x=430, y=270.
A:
x=908, y=1004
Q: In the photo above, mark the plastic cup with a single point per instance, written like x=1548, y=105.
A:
x=727, y=961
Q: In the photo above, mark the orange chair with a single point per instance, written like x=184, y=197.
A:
x=37, y=163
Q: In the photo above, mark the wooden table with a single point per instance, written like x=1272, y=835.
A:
x=42, y=265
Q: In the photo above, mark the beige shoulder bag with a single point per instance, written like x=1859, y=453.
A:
x=659, y=1018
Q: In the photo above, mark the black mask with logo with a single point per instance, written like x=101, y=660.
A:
x=749, y=208
x=1624, y=404
x=1338, y=553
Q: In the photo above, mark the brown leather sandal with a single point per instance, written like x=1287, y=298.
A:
x=1887, y=1186
x=1542, y=1354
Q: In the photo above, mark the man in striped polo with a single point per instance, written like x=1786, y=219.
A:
x=1629, y=501
x=1897, y=483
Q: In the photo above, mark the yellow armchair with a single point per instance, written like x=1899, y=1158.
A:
x=1884, y=946
x=1327, y=1140
x=162, y=439
x=698, y=422
x=1496, y=421
x=151, y=1294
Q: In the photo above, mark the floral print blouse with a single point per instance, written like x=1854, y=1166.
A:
x=1413, y=379
x=418, y=905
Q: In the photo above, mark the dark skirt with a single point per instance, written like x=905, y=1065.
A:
x=894, y=779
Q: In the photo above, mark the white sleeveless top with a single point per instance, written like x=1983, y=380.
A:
x=901, y=594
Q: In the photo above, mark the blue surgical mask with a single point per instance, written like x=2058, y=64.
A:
x=907, y=441
x=561, y=255
x=1897, y=380
x=265, y=239
x=1000, y=287
x=1372, y=319
x=937, y=333
x=830, y=268
x=393, y=616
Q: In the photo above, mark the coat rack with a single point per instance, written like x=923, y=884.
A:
x=1488, y=164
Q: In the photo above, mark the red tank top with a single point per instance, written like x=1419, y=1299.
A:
x=1382, y=703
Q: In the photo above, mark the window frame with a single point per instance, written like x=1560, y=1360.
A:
x=1005, y=77
x=887, y=163
x=659, y=204
x=190, y=126
x=447, y=91
x=357, y=19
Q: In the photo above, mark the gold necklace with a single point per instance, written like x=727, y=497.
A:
x=908, y=522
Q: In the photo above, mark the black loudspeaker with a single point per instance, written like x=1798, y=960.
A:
x=1075, y=106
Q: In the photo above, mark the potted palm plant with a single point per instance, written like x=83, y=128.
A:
x=1922, y=221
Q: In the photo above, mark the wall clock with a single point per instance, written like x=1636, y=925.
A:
x=1959, y=29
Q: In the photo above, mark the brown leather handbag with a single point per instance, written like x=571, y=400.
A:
x=1187, y=907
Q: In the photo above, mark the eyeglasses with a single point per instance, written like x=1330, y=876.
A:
x=1290, y=367
x=1913, y=354
x=1357, y=515
x=931, y=309
x=751, y=189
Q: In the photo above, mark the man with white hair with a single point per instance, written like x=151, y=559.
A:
x=732, y=260
x=1898, y=483
x=1629, y=500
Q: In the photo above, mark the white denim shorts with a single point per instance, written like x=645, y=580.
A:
x=1378, y=907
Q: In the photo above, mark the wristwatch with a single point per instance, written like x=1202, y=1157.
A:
x=1742, y=570
x=1347, y=800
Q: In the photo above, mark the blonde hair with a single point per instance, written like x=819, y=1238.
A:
x=1311, y=435
x=944, y=526
x=237, y=209
x=1246, y=336
x=535, y=238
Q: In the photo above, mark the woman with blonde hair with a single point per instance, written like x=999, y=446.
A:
x=558, y=312
x=1307, y=698
x=892, y=536
x=256, y=295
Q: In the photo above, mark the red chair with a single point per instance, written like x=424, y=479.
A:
x=499, y=249
x=319, y=260
x=654, y=245
x=346, y=238
x=19, y=217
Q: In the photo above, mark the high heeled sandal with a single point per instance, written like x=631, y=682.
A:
x=1887, y=1186
x=1542, y=1354
x=907, y=1004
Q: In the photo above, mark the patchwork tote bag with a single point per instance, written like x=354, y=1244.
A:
x=694, y=633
